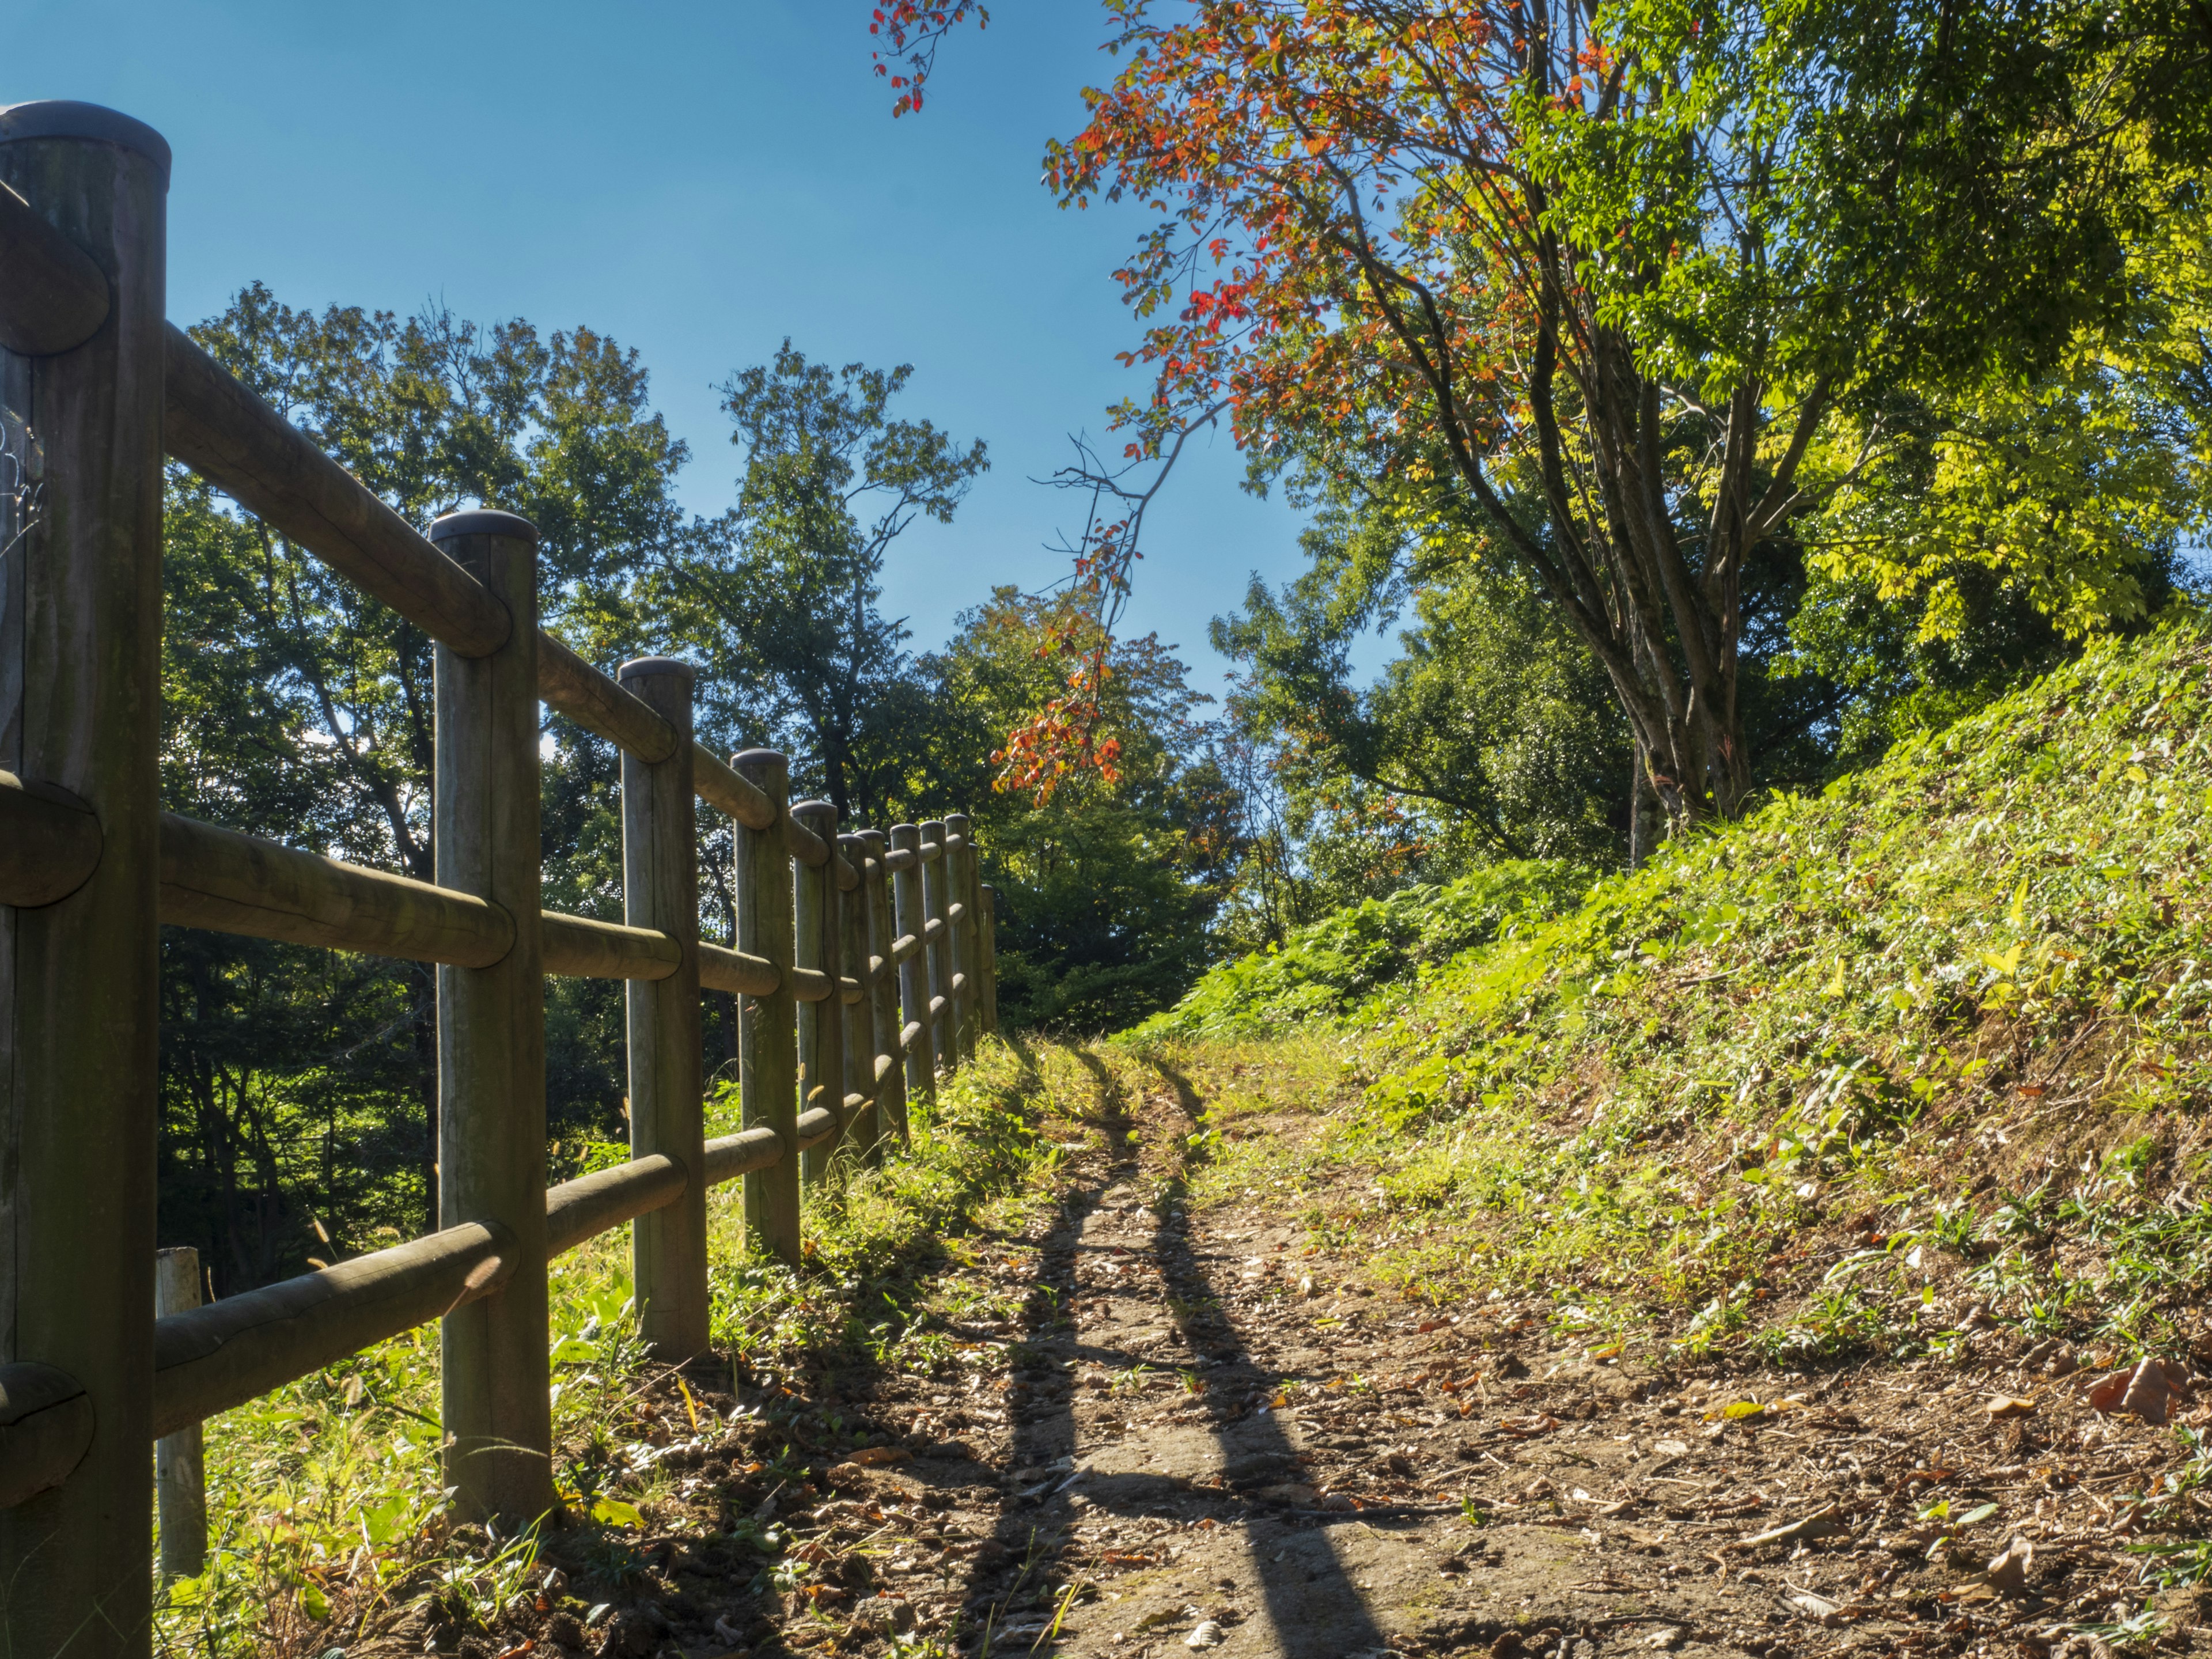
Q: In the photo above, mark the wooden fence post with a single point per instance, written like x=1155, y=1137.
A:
x=81, y=711
x=661, y=890
x=883, y=1000
x=914, y=973
x=180, y=1464
x=820, y=1024
x=936, y=902
x=987, y=926
x=866, y=1130
x=768, y=1049
x=491, y=1034
x=960, y=885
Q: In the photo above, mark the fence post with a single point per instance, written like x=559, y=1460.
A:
x=179, y=1467
x=661, y=890
x=768, y=1049
x=960, y=885
x=820, y=1024
x=883, y=996
x=987, y=926
x=913, y=972
x=866, y=1131
x=937, y=905
x=80, y=710
x=491, y=1034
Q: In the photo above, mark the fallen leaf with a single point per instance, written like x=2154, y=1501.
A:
x=2008, y=1571
x=1534, y=1423
x=2148, y=1394
x=2004, y=1405
x=1671, y=1448
x=1205, y=1634
x=1818, y=1609
x=2104, y=1392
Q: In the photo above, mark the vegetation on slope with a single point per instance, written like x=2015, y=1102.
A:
x=1869, y=1069
x=1331, y=968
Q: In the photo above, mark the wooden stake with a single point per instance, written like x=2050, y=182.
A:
x=989, y=925
x=936, y=902
x=661, y=890
x=960, y=885
x=491, y=1034
x=883, y=997
x=913, y=972
x=820, y=1024
x=81, y=708
x=179, y=1481
x=767, y=1052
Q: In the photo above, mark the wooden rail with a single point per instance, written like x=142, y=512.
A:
x=862, y=961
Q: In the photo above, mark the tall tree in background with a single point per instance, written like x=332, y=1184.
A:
x=297, y=1083
x=779, y=598
x=1622, y=292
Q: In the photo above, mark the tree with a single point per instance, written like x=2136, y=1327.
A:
x=297, y=1083
x=779, y=599
x=1106, y=889
x=1593, y=283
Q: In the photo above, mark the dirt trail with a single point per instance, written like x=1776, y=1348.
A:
x=1244, y=1451
x=1216, y=1437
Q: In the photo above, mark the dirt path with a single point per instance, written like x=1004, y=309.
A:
x=1185, y=1427
x=1237, y=1449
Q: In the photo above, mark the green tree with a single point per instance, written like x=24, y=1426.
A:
x=779, y=601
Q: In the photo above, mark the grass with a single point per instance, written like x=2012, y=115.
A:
x=1812, y=1085
x=327, y=1519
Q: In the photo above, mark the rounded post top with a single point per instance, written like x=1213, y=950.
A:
x=67, y=117
x=873, y=837
x=645, y=668
x=932, y=829
x=814, y=809
x=957, y=823
x=484, y=521
x=906, y=837
x=759, y=760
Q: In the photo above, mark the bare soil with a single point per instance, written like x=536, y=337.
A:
x=1206, y=1432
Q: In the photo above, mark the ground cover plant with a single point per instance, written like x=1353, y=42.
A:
x=328, y=1522
x=1952, y=1009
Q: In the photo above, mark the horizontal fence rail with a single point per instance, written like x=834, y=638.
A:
x=862, y=961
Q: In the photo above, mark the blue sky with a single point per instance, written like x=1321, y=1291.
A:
x=697, y=181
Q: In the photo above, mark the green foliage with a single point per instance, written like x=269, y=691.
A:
x=1963, y=999
x=1330, y=969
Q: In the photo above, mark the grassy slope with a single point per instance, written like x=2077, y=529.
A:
x=1819, y=1082
x=326, y=1511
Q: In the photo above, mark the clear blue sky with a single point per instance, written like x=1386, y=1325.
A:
x=698, y=180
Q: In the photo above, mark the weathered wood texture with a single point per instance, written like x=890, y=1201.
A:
x=238, y=884
x=577, y=947
x=921, y=1055
x=571, y=686
x=590, y=1205
x=883, y=992
x=491, y=1035
x=660, y=892
x=960, y=889
x=937, y=937
x=79, y=709
x=45, y=1429
x=229, y=437
x=227, y=1353
x=821, y=1023
x=729, y=792
x=49, y=840
x=768, y=1049
x=55, y=297
x=731, y=1156
x=721, y=970
x=179, y=1460
x=865, y=1123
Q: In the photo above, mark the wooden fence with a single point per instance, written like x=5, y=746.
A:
x=863, y=962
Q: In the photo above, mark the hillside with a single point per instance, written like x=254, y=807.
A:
x=1952, y=1010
